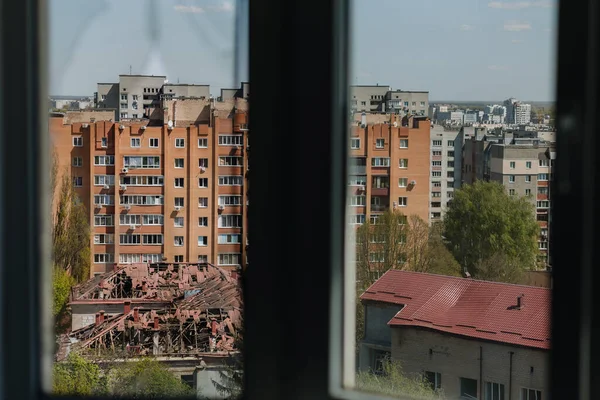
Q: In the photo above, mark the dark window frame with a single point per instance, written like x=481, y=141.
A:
x=294, y=316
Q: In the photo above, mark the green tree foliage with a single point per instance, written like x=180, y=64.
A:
x=71, y=232
x=491, y=234
x=77, y=376
x=231, y=380
x=61, y=288
x=393, y=382
x=146, y=378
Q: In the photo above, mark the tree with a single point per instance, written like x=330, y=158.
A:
x=231, y=380
x=61, y=288
x=489, y=231
x=146, y=378
x=77, y=376
x=71, y=232
x=393, y=382
x=426, y=250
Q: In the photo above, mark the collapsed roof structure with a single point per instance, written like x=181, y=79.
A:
x=155, y=309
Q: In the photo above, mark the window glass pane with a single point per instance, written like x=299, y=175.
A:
x=449, y=198
x=141, y=91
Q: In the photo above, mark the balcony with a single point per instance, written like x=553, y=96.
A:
x=357, y=170
x=378, y=207
x=436, y=158
x=380, y=191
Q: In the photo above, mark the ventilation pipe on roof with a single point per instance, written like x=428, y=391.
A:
x=520, y=301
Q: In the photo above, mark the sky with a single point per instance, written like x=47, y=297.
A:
x=459, y=50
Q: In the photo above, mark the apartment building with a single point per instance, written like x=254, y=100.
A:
x=517, y=112
x=383, y=99
x=389, y=167
x=524, y=165
x=176, y=192
x=446, y=161
x=468, y=338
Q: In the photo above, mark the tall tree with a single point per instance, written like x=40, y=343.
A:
x=71, y=232
x=489, y=231
x=77, y=376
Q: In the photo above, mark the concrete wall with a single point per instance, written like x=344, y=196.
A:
x=73, y=117
x=177, y=90
x=376, y=318
x=184, y=112
x=421, y=350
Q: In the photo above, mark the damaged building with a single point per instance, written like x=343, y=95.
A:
x=163, y=310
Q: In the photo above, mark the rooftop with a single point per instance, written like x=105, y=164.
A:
x=467, y=307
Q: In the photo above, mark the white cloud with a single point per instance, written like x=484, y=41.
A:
x=519, y=5
x=225, y=6
x=497, y=67
x=189, y=9
x=465, y=27
x=516, y=26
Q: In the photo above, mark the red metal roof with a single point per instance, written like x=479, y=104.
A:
x=467, y=307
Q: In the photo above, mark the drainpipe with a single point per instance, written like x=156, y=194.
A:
x=510, y=376
x=481, y=372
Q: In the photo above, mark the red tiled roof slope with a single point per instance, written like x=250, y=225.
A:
x=467, y=307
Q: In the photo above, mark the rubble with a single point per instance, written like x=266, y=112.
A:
x=202, y=315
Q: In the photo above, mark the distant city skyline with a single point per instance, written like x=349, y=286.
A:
x=471, y=50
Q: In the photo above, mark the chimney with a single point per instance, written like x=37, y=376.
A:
x=101, y=317
x=136, y=314
x=127, y=307
x=156, y=323
x=520, y=301
x=97, y=318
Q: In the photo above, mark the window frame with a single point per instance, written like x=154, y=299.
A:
x=324, y=35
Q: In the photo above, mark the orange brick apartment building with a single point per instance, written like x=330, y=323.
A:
x=390, y=166
x=161, y=193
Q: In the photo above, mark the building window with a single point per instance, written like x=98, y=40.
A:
x=230, y=221
x=142, y=180
x=436, y=143
x=203, y=163
x=436, y=174
x=379, y=143
x=202, y=202
x=230, y=180
x=142, y=200
x=124, y=106
x=358, y=200
x=180, y=143
x=123, y=97
x=230, y=238
x=436, y=184
x=103, y=142
x=232, y=200
x=527, y=192
x=136, y=142
x=402, y=182
x=103, y=97
x=78, y=181
x=380, y=162
x=129, y=239
x=135, y=97
x=530, y=394
x=436, y=163
x=178, y=241
x=357, y=180
x=422, y=104
x=434, y=379
x=178, y=258
x=511, y=179
x=203, y=143
x=154, y=142
x=130, y=219
x=403, y=163
x=202, y=258
x=231, y=140
x=179, y=202
x=104, y=160
x=468, y=388
x=494, y=391
x=78, y=141
x=202, y=240
x=153, y=219
x=179, y=182
x=436, y=194
x=355, y=144
x=542, y=177
x=202, y=221
x=511, y=192
x=104, y=220
x=226, y=161
x=528, y=178
x=544, y=163
x=202, y=182
x=178, y=222
x=543, y=245
x=77, y=161
x=451, y=154
x=100, y=180
x=357, y=219
x=123, y=115
x=542, y=190
x=450, y=143
x=543, y=204
x=363, y=103
x=152, y=162
x=450, y=195
x=104, y=258
x=404, y=143
x=528, y=164
x=512, y=165
x=436, y=153
x=229, y=259
x=179, y=163
x=402, y=201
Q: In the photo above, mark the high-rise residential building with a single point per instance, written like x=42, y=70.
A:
x=524, y=165
x=517, y=112
x=446, y=161
x=389, y=167
x=174, y=192
x=378, y=98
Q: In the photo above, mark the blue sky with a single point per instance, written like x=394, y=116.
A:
x=458, y=50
